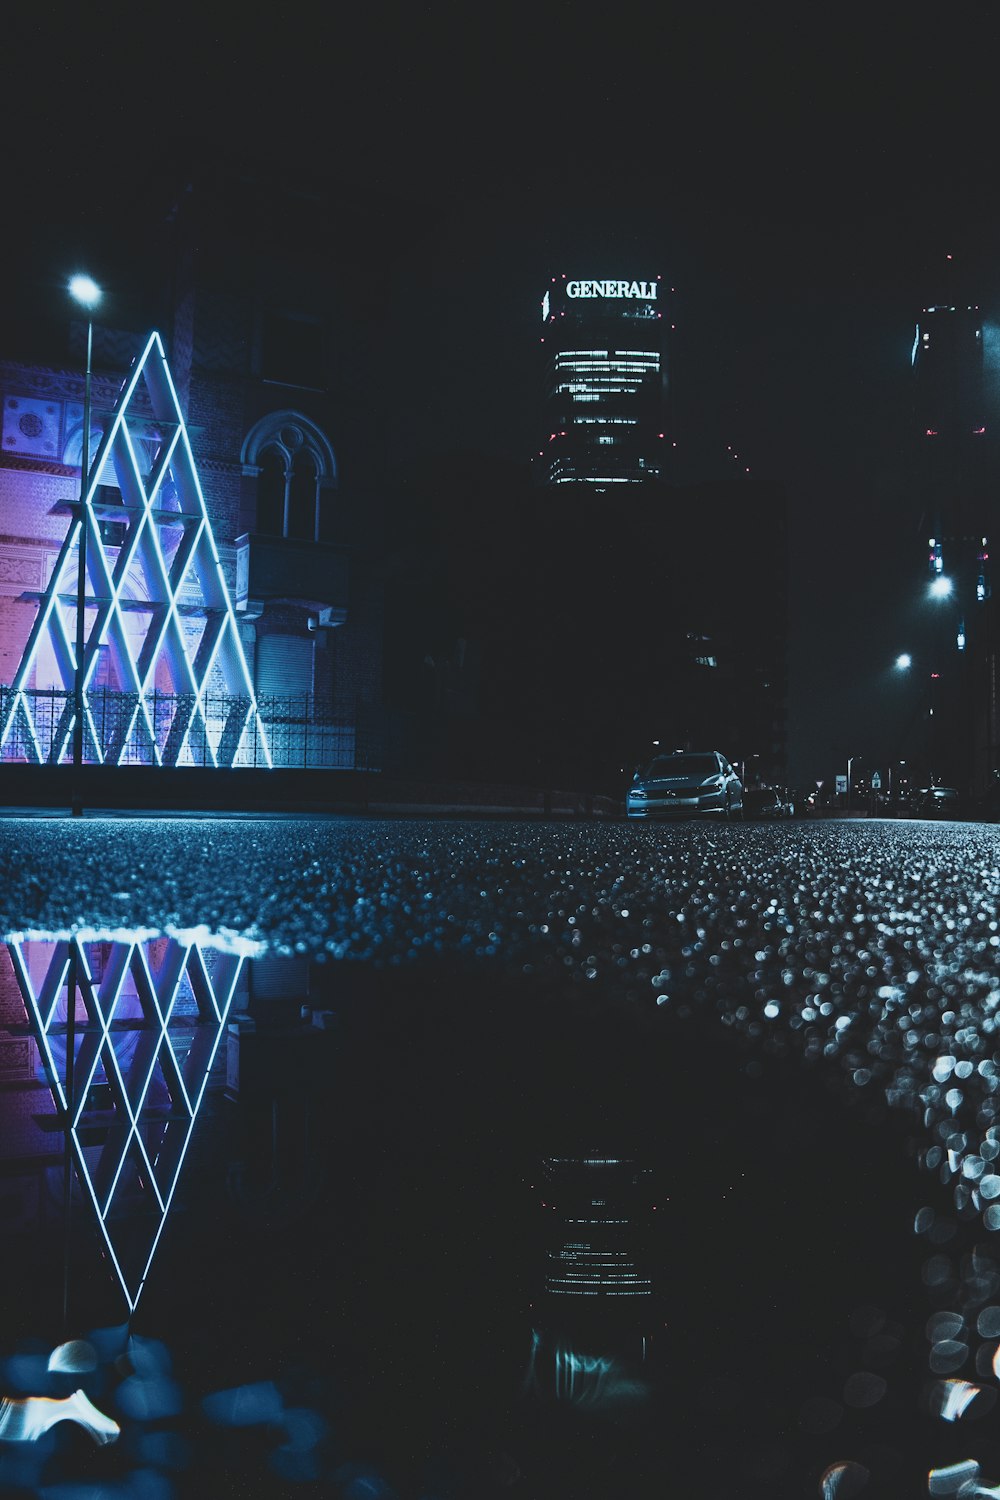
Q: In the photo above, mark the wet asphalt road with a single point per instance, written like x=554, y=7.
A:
x=864, y=950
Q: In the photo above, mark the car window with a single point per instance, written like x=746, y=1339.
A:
x=682, y=765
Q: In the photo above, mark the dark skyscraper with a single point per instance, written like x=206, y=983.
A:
x=950, y=418
x=953, y=460
x=605, y=386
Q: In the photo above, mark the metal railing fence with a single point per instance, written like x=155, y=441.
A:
x=302, y=730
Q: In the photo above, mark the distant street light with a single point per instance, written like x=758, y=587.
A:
x=85, y=291
x=904, y=661
x=941, y=587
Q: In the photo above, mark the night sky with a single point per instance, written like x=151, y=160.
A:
x=798, y=174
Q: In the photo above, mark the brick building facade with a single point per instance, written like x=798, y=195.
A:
x=262, y=339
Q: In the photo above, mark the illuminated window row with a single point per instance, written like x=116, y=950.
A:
x=614, y=361
x=586, y=367
x=607, y=354
x=574, y=478
x=596, y=390
x=598, y=1255
x=597, y=381
x=599, y=390
x=587, y=1291
x=606, y=421
x=614, y=1283
x=597, y=1221
x=597, y=1275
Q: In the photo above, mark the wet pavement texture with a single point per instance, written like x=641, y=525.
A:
x=792, y=1024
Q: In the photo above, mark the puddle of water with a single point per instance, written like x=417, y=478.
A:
x=449, y=1234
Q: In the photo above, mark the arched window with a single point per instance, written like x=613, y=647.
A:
x=271, y=493
x=303, y=496
x=296, y=472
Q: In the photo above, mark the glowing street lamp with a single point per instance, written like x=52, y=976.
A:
x=85, y=291
x=941, y=587
x=904, y=661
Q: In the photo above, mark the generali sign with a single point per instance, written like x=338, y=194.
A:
x=638, y=289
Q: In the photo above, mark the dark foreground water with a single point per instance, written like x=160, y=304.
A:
x=788, y=1030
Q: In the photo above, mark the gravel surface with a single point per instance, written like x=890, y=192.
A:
x=875, y=941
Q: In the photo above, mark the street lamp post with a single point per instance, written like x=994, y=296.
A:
x=850, y=761
x=87, y=293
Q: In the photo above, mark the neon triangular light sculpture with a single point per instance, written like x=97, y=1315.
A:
x=148, y=1019
x=165, y=676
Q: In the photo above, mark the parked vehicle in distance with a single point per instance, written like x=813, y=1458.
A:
x=938, y=802
x=686, y=782
x=790, y=800
x=764, y=802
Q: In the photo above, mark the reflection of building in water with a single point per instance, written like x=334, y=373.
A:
x=281, y=1056
x=597, y=1244
x=597, y=1305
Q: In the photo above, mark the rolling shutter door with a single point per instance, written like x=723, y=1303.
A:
x=284, y=665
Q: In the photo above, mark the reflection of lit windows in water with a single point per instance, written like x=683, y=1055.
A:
x=599, y=1218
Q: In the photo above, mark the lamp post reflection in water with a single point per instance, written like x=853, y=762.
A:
x=72, y=989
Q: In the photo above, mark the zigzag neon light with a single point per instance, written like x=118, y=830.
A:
x=160, y=1140
x=138, y=657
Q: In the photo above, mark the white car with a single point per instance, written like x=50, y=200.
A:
x=689, y=781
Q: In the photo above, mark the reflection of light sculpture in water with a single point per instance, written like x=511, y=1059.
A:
x=27, y=1419
x=144, y=1031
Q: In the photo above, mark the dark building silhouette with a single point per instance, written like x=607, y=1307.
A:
x=954, y=461
x=553, y=644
